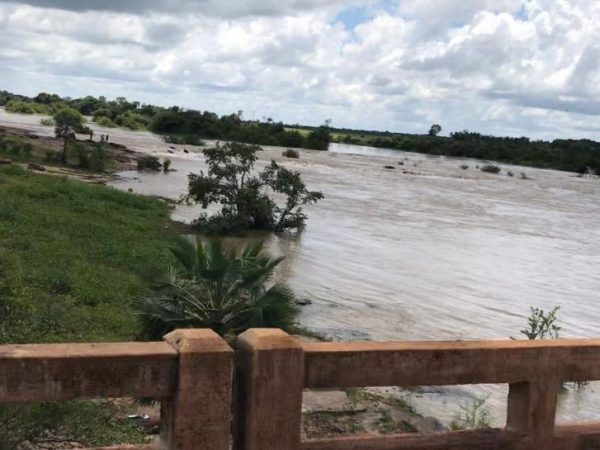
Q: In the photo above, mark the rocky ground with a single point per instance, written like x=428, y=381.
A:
x=119, y=156
x=331, y=413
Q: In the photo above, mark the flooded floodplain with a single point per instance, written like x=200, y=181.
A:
x=424, y=251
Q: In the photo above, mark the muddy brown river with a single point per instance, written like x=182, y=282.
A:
x=433, y=254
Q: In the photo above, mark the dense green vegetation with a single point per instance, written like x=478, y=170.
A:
x=562, y=154
x=81, y=155
x=213, y=285
x=65, y=275
x=93, y=423
x=149, y=162
x=180, y=125
x=73, y=259
x=244, y=196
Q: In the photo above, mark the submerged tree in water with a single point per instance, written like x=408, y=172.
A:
x=289, y=183
x=243, y=194
x=211, y=285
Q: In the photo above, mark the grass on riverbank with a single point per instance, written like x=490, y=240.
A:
x=73, y=257
x=83, y=155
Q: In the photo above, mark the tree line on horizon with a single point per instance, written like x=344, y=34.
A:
x=179, y=125
x=185, y=126
x=572, y=155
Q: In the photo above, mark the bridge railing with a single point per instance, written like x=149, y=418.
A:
x=273, y=368
x=192, y=374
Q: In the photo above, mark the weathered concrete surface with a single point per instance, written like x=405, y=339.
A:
x=269, y=390
x=67, y=371
x=464, y=440
x=330, y=400
x=198, y=415
x=444, y=363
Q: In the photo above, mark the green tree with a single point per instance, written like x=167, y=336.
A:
x=66, y=120
x=320, y=138
x=290, y=184
x=210, y=285
x=243, y=195
x=435, y=129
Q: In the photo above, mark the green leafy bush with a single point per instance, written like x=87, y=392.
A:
x=148, y=162
x=105, y=122
x=24, y=107
x=490, y=168
x=244, y=196
x=290, y=153
x=184, y=139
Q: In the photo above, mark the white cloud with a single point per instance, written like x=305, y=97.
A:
x=525, y=67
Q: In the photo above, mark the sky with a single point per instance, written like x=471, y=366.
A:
x=503, y=67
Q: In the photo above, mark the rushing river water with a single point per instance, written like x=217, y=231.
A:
x=425, y=251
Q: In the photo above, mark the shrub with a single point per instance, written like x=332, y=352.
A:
x=319, y=138
x=166, y=165
x=102, y=112
x=541, y=325
x=490, y=168
x=105, y=122
x=474, y=415
x=148, y=162
x=47, y=122
x=184, y=139
x=132, y=121
x=24, y=107
x=167, y=122
x=83, y=155
x=289, y=153
x=211, y=285
x=464, y=167
x=244, y=197
x=98, y=158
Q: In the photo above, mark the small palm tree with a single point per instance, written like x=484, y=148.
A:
x=210, y=285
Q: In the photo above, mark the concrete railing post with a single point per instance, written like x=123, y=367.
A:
x=269, y=382
x=198, y=415
x=531, y=410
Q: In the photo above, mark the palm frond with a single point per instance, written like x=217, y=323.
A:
x=211, y=285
